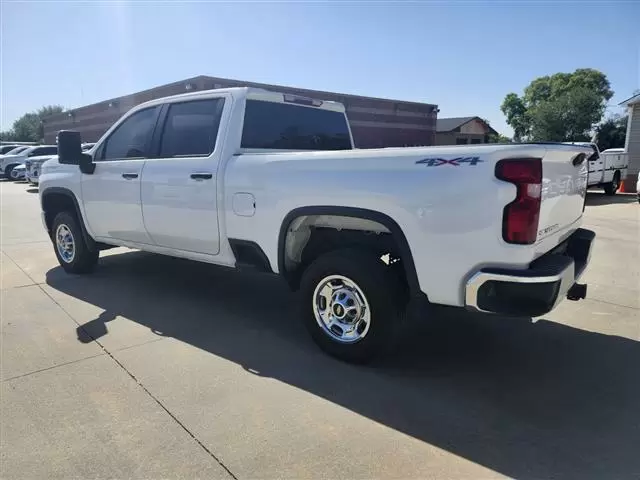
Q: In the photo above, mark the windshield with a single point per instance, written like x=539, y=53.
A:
x=17, y=150
x=6, y=148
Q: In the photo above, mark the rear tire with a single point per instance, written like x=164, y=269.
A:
x=70, y=246
x=611, y=188
x=353, y=305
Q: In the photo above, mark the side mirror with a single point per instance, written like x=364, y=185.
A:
x=69, y=147
x=70, y=151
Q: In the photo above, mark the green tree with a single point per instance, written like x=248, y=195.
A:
x=498, y=138
x=29, y=127
x=560, y=107
x=8, y=136
x=612, y=132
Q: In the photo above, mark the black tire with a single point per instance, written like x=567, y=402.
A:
x=611, y=188
x=84, y=260
x=383, y=291
x=7, y=170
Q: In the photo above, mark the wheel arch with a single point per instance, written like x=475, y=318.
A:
x=54, y=200
x=353, y=212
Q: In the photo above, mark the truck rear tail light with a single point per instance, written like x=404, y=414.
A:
x=520, y=217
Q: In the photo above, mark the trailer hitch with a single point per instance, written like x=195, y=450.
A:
x=577, y=291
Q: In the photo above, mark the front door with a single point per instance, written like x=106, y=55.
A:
x=111, y=195
x=179, y=192
x=596, y=168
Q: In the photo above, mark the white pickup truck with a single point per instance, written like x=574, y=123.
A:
x=607, y=168
x=254, y=179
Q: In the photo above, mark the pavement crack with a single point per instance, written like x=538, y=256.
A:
x=53, y=367
x=598, y=300
x=162, y=406
x=141, y=385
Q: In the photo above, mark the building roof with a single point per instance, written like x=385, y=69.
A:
x=229, y=82
x=449, y=124
x=631, y=101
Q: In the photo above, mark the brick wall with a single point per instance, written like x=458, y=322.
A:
x=375, y=122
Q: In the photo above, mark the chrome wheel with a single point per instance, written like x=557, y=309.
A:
x=341, y=309
x=13, y=174
x=65, y=243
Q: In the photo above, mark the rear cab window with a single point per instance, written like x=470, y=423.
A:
x=287, y=126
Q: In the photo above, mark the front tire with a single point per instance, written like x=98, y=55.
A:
x=353, y=305
x=8, y=169
x=70, y=246
x=611, y=188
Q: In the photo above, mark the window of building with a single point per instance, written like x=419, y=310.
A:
x=131, y=138
x=461, y=141
x=293, y=127
x=191, y=128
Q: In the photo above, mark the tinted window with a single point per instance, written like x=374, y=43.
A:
x=293, y=127
x=16, y=151
x=191, y=128
x=37, y=152
x=131, y=138
x=594, y=155
x=6, y=149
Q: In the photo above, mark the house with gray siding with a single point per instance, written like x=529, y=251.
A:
x=632, y=143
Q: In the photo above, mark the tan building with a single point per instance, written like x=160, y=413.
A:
x=462, y=131
x=632, y=142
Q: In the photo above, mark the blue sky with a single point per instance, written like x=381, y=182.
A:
x=464, y=56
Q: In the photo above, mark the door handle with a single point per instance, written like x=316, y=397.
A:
x=202, y=176
x=129, y=176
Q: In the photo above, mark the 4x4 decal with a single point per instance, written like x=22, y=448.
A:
x=456, y=162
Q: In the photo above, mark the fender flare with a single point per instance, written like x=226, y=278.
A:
x=387, y=221
x=68, y=193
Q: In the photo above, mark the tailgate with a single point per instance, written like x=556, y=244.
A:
x=564, y=187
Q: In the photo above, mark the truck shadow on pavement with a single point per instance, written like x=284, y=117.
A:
x=528, y=400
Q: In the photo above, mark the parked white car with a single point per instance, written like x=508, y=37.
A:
x=8, y=162
x=34, y=166
x=18, y=172
x=247, y=178
x=638, y=188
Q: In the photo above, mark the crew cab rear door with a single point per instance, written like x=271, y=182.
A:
x=179, y=187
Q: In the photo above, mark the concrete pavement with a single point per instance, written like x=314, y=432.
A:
x=157, y=367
